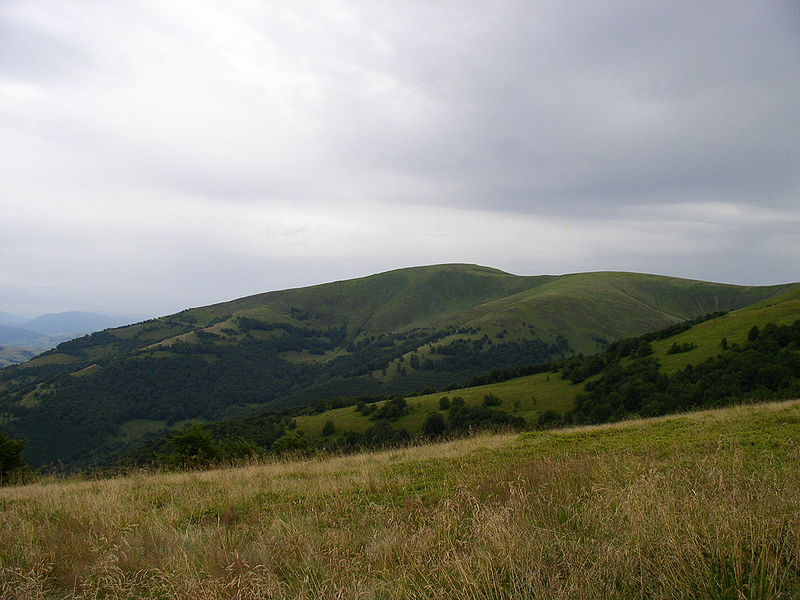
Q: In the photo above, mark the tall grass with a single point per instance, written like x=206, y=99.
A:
x=697, y=506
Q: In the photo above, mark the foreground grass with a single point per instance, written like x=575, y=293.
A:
x=705, y=505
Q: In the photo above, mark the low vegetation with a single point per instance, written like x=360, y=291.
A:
x=701, y=505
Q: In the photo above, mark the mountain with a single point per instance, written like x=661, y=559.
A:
x=74, y=323
x=398, y=332
x=10, y=319
x=20, y=336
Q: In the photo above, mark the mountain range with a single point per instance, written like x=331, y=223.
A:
x=404, y=332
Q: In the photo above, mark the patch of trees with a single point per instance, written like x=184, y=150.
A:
x=380, y=435
x=461, y=347
x=294, y=338
x=463, y=418
x=390, y=410
x=219, y=442
x=677, y=348
x=766, y=366
x=76, y=346
x=299, y=314
x=500, y=375
x=470, y=356
x=198, y=381
x=579, y=368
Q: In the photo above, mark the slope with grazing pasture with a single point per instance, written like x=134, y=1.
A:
x=703, y=506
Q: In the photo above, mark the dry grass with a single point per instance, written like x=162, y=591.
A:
x=699, y=506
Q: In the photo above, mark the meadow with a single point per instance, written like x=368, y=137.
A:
x=700, y=505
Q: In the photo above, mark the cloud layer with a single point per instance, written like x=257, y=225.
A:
x=157, y=155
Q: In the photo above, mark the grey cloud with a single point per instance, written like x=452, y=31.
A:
x=611, y=106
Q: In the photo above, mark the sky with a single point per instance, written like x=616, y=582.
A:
x=163, y=154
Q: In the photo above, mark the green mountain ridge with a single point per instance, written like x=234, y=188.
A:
x=395, y=332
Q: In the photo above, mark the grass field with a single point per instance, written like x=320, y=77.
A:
x=526, y=397
x=703, y=505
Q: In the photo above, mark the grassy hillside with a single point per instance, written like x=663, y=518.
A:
x=528, y=397
x=783, y=309
x=14, y=355
x=393, y=333
x=703, y=505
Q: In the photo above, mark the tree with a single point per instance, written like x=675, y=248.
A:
x=435, y=425
x=444, y=403
x=393, y=408
x=548, y=419
x=194, y=445
x=491, y=400
x=329, y=428
x=11, y=461
x=290, y=441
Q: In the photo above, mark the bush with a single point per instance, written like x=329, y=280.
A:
x=391, y=409
x=194, y=446
x=435, y=425
x=677, y=348
x=289, y=442
x=491, y=400
x=548, y=420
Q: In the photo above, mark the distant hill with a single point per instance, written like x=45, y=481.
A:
x=47, y=331
x=399, y=332
x=19, y=336
x=74, y=323
x=10, y=319
x=14, y=355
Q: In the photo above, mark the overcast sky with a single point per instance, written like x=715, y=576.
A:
x=161, y=154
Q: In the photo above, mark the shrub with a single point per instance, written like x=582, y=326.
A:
x=193, y=446
x=491, y=400
x=435, y=425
